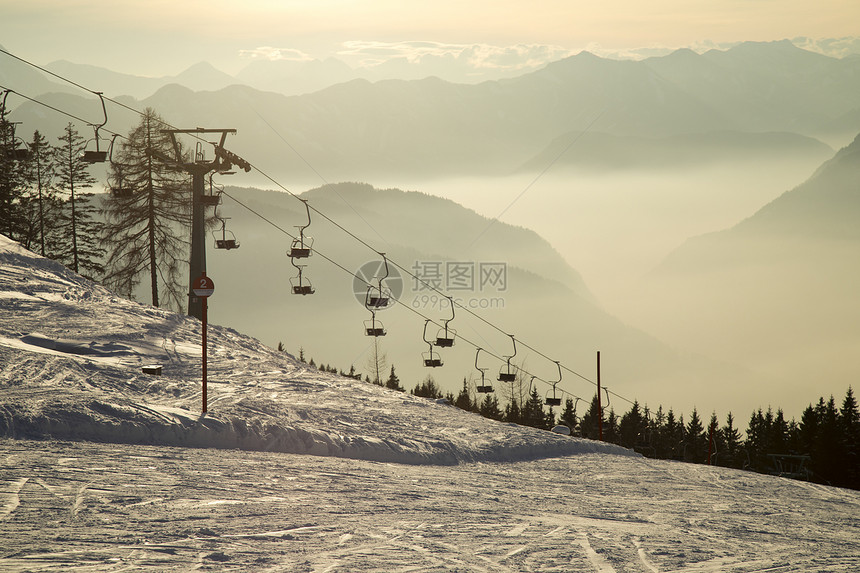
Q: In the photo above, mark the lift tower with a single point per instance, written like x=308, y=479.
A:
x=199, y=167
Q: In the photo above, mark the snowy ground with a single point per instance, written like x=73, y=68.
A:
x=122, y=508
x=105, y=468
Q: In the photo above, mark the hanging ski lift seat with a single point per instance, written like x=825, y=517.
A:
x=374, y=328
x=18, y=154
x=303, y=289
x=484, y=387
x=301, y=248
x=555, y=400
x=210, y=200
x=226, y=244
x=301, y=285
x=505, y=376
x=378, y=300
x=431, y=360
x=94, y=156
x=445, y=337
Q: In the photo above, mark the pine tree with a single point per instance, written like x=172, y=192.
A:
x=588, y=425
x=828, y=452
x=532, y=412
x=464, y=398
x=489, y=408
x=148, y=216
x=568, y=415
x=513, y=413
x=11, y=181
x=732, y=439
x=716, y=445
x=80, y=250
x=696, y=443
x=849, y=416
x=393, y=381
x=43, y=207
x=631, y=429
x=427, y=389
x=610, y=428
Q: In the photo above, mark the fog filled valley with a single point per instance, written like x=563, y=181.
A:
x=688, y=218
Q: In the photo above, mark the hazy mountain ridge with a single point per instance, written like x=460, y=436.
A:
x=429, y=127
x=825, y=207
x=202, y=76
x=598, y=151
x=778, y=289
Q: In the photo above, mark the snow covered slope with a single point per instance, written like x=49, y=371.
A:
x=72, y=358
x=513, y=499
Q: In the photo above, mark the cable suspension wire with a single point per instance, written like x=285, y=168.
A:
x=327, y=218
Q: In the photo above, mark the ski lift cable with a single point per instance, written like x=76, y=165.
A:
x=417, y=278
x=322, y=214
x=401, y=303
x=84, y=88
x=60, y=111
x=335, y=263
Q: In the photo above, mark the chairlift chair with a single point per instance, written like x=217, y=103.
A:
x=431, y=360
x=301, y=247
x=300, y=284
x=15, y=152
x=555, y=400
x=212, y=199
x=485, y=387
x=445, y=336
x=96, y=155
x=225, y=242
x=381, y=296
x=119, y=190
x=18, y=151
x=373, y=327
x=508, y=372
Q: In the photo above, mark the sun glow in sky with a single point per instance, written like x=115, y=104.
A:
x=163, y=37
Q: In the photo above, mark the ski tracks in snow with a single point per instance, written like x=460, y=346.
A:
x=12, y=498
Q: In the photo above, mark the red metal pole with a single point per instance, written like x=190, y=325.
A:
x=205, y=312
x=599, y=402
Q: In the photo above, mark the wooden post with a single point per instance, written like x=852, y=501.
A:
x=599, y=402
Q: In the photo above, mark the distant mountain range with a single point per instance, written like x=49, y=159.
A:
x=779, y=290
x=359, y=129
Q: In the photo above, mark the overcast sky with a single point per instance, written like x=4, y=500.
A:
x=164, y=37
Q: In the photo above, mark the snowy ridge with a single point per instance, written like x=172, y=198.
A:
x=71, y=359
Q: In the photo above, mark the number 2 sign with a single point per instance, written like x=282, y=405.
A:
x=203, y=286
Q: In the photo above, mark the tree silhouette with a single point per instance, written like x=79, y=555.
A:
x=147, y=216
x=79, y=247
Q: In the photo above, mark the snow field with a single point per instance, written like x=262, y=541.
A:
x=124, y=474
x=113, y=507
